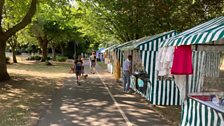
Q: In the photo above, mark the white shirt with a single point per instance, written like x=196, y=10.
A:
x=126, y=65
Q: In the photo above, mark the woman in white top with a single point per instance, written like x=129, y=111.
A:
x=92, y=61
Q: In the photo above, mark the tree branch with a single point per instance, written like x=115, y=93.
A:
x=25, y=21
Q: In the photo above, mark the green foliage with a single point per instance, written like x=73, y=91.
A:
x=61, y=58
x=37, y=57
x=118, y=20
x=14, y=12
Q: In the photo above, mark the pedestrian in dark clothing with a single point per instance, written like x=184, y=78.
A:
x=78, y=68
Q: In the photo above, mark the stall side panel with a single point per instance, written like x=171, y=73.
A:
x=160, y=92
x=195, y=113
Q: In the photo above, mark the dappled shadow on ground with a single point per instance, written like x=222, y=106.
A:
x=22, y=97
x=136, y=109
x=91, y=105
x=40, y=69
x=88, y=104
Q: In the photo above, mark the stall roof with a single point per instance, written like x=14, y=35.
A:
x=132, y=45
x=111, y=47
x=207, y=32
x=124, y=44
x=101, y=50
x=150, y=42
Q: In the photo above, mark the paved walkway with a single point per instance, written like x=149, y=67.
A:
x=99, y=101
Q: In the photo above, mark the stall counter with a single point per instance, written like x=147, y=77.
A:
x=196, y=112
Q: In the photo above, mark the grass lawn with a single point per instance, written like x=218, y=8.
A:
x=30, y=89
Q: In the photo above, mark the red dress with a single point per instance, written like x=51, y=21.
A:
x=182, y=60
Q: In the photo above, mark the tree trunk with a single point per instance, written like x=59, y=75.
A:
x=43, y=42
x=3, y=68
x=44, y=50
x=53, y=52
x=75, y=50
x=62, y=50
x=14, y=54
x=4, y=36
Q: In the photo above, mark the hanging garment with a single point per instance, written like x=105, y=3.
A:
x=164, y=61
x=182, y=60
x=117, y=70
x=180, y=81
x=160, y=62
x=169, y=60
x=159, y=55
x=212, y=63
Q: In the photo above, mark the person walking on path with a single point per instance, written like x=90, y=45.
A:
x=92, y=60
x=78, y=68
x=127, y=73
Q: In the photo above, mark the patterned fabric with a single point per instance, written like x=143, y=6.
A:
x=196, y=80
x=153, y=43
x=159, y=92
x=212, y=63
x=195, y=113
x=207, y=32
x=164, y=61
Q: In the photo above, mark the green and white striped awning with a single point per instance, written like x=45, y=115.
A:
x=132, y=45
x=111, y=48
x=212, y=30
x=150, y=43
x=124, y=44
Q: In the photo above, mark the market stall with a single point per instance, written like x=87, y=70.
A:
x=99, y=54
x=206, y=42
x=157, y=91
x=120, y=57
x=108, y=58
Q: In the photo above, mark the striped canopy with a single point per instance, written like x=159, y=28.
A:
x=124, y=44
x=110, y=48
x=212, y=30
x=134, y=43
x=150, y=43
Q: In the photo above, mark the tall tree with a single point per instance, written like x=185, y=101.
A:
x=126, y=20
x=41, y=30
x=13, y=43
x=5, y=34
x=50, y=24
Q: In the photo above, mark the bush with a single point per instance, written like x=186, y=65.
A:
x=61, y=58
x=49, y=58
x=7, y=59
x=36, y=57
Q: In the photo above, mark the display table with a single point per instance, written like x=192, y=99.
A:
x=196, y=112
x=158, y=92
x=139, y=83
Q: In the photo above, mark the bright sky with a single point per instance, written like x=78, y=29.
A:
x=74, y=3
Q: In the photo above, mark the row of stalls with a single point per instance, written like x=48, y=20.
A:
x=205, y=107
x=178, y=69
